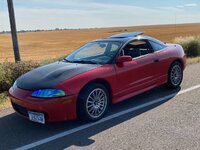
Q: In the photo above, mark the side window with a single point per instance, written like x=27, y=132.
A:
x=137, y=48
x=156, y=46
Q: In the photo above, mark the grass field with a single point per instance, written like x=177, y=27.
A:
x=40, y=46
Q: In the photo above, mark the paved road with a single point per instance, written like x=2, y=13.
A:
x=173, y=123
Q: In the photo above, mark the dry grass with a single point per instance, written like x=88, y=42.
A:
x=47, y=45
x=4, y=101
x=193, y=60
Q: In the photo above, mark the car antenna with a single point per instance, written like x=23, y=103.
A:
x=175, y=27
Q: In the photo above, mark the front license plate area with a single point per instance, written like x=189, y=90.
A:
x=36, y=117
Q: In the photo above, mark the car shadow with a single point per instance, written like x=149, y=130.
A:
x=16, y=131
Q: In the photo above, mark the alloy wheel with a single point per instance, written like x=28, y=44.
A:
x=176, y=75
x=96, y=103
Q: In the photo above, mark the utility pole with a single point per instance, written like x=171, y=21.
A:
x=13, y=30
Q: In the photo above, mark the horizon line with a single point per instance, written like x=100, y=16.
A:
x=90, y=28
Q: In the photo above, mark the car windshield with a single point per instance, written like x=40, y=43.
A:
x=95, y=53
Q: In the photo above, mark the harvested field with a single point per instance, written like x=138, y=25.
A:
x=40, y=46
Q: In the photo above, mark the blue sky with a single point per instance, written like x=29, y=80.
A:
x=50, y=14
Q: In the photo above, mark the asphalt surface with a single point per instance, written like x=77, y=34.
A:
x=170, y=124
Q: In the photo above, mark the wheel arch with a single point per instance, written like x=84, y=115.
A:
x=81, y=112
x=177, y=60
x=100, y=81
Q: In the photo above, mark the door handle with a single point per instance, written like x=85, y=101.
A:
x=156, y=60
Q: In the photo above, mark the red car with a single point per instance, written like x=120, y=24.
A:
x=102, y=72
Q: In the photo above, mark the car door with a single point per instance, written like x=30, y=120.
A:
x=163, y=61
x=138, y=75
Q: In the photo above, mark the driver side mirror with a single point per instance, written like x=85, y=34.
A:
x=122, y=59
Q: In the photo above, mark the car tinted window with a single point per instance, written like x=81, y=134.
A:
x=156, y=46
x=136, y=49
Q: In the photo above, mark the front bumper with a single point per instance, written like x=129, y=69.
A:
x=55, y=109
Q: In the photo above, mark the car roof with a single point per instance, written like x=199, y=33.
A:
x=128, y=36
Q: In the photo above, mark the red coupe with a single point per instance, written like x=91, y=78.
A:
x=102, y=72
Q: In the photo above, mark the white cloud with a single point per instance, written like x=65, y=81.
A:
x=191, y=5
x=174, y=9
x=187, y=5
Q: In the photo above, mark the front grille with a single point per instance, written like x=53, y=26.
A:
x=21, y=110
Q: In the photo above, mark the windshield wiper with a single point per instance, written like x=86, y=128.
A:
x=66, y=60
x=85, y=61
x=81, y=61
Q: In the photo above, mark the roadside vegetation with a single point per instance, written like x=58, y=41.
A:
x=9, y=71
x=190, y=44
x=4, y=102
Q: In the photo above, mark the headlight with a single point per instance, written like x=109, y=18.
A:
x=48, y=93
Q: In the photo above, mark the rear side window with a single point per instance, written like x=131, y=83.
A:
x=156, y=46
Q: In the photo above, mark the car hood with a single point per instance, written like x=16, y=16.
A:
x=50, y=75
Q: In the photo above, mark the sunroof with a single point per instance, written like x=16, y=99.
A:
x=127, y=34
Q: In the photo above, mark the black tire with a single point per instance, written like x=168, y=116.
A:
x=175, y=75
x=86, y=103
